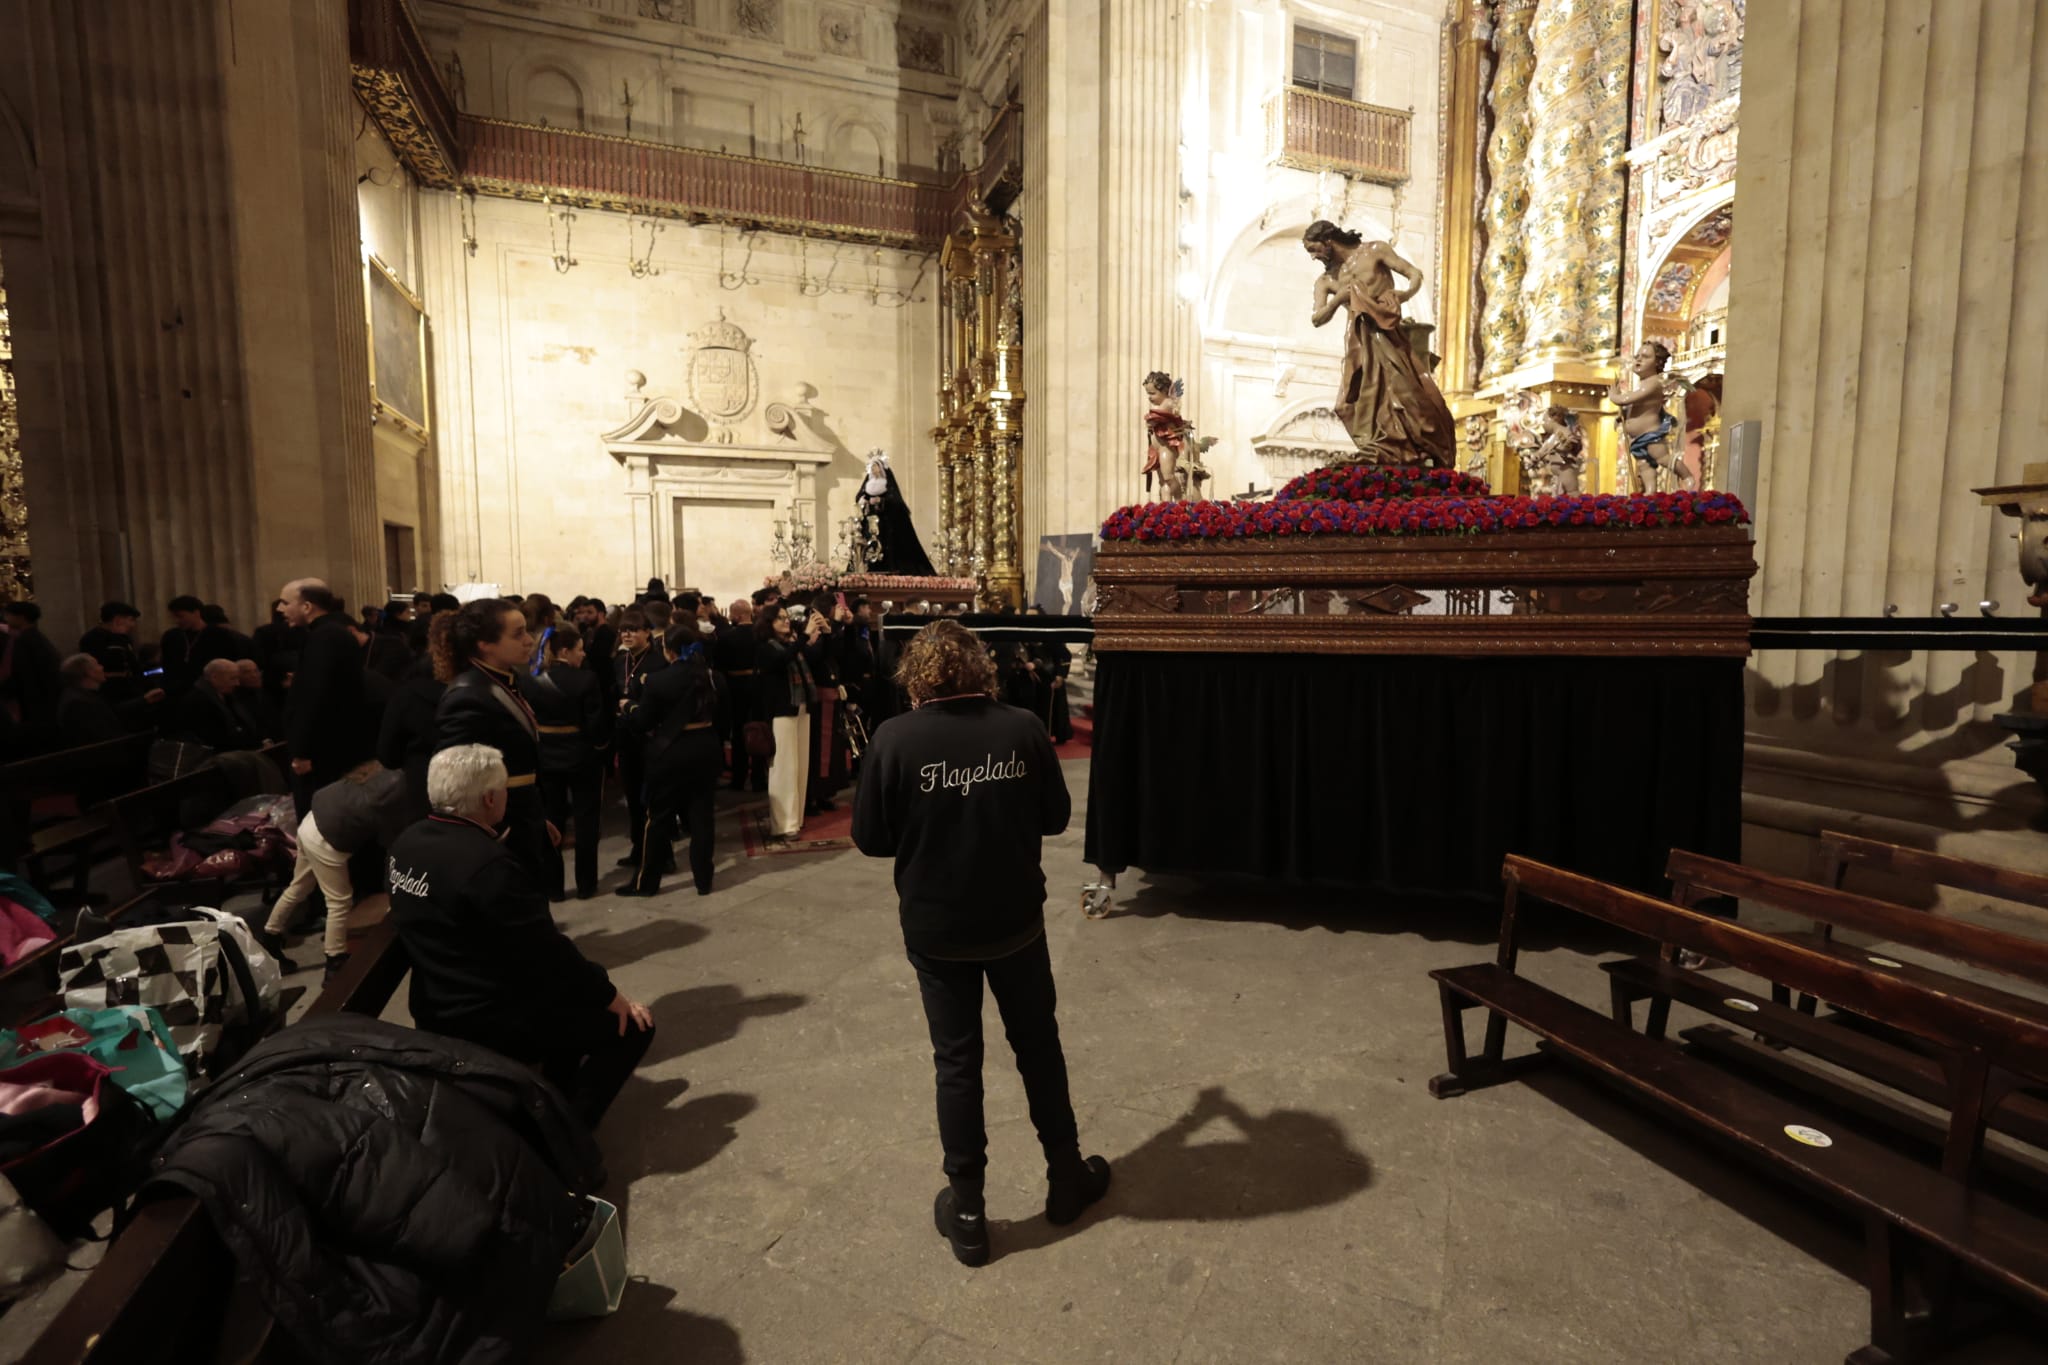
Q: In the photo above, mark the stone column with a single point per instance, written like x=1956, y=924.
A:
x=1573, y=224
x=187, y=301
x=1144, y=324
x=1507, y=198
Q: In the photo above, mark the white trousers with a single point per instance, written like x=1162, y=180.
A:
x=789, y=774
x=319, y=862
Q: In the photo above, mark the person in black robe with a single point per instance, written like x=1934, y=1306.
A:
x=112, y=642
x=902, y=552
x=575, y=725
x=34, y=682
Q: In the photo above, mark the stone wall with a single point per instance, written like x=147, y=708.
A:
x=1889, y=329
x=532, y=367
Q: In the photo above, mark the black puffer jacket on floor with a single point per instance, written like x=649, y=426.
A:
x=395, y=1196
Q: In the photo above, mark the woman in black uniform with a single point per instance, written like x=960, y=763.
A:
x=575, y=740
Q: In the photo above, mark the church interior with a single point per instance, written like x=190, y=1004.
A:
x=1509, y=516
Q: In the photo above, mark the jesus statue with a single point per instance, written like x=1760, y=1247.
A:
x=1387, y=400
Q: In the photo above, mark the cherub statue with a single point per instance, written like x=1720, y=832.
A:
x=1644, y=419
x=1475, y=446
x=1387, y=399
x=1171, y=448
x=1562, y=456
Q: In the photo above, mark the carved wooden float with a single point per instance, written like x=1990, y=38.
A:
x=1679, y=591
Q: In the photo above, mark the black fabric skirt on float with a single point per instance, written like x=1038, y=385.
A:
x=1412, y=773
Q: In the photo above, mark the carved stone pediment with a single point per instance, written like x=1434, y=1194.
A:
x=668, y=426
x=1310, y=433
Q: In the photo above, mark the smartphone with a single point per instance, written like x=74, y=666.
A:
x=156, y=672
x=799, y=612
x=840, y=598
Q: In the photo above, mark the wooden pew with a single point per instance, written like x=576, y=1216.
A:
x=1696, y=877
x=167, y=1287
x=28, y=987
x=1840, y=852
x=1915, y=1217
x=81, y=778
x=146, y=818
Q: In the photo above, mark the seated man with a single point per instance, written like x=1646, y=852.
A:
x=488, y=963
x=203, y=715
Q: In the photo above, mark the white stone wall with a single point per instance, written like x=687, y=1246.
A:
x=531, y=367
x=1242, y=230
x=691, y=73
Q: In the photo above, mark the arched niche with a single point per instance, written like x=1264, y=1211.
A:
x=858, y=144
x=1685, y=306
x=552, y=96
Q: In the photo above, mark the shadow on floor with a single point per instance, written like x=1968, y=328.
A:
x=1279, y=1162
x=622, y=947
x=646, y=1133
x=646, y=1327
x=704, y=1016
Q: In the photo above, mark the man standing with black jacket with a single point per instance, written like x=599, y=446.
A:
x=324, y=710
x=961, y=793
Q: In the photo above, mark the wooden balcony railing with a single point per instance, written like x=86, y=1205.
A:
x=1315, y=132
x=596, y=171
x=397, y=82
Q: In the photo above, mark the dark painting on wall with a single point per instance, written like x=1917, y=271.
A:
x=398, y=350
x=1065, y=565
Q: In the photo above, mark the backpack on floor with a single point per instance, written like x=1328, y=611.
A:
x=203, y=972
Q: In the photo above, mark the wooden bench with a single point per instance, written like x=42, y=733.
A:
x=79, y=781
x=1696, y=877
x=1841, y=852
x=167, y=1288
x=1916, y=1218
x=147, y=817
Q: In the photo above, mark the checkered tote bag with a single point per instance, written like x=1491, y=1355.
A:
x=203, y=973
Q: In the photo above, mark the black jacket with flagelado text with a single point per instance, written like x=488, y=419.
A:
x=488, y=963
x=962, y=794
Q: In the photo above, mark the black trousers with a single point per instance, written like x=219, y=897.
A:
x=1023, y=988
x=574, y=799
x=633, y=777
x=748, y=773
x=590, y=1060
x=682, y=780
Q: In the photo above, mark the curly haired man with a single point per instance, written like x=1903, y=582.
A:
x=961, y=792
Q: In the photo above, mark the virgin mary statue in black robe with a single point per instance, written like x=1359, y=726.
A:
x=902, y=553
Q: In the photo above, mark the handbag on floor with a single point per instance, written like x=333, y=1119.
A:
x=131, y=1040
x=594, y=1278
x=72, y=1142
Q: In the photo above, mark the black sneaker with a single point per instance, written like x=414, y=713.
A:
x=1065, y=1198
x=274, y=945
x=335, y=962
x=968, y=1232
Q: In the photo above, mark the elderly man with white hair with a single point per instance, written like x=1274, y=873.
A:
x=488, y=963
x=205, y=715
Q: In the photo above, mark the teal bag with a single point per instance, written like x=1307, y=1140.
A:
x=594, y=1279
x=131, y=1041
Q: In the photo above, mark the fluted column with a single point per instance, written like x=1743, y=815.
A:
x=1144, y=324
x=189, y=304
x=1507, y=197
x=1572, y=103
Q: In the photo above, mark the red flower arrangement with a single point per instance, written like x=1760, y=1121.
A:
x=1427, y=515
x=1371, y=483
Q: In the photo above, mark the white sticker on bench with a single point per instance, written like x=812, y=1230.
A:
x=1885, y=962
x=1737, y=1003
x=1812, y=1137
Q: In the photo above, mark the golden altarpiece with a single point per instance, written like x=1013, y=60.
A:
x=1587, y=206
x=980, y=433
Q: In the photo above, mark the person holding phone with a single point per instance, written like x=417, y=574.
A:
x=787, y=692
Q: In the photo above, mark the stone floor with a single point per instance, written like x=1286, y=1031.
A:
x=1254, y=1063
x=1252, y=1060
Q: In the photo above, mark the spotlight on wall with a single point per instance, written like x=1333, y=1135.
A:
x=1188, y=286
